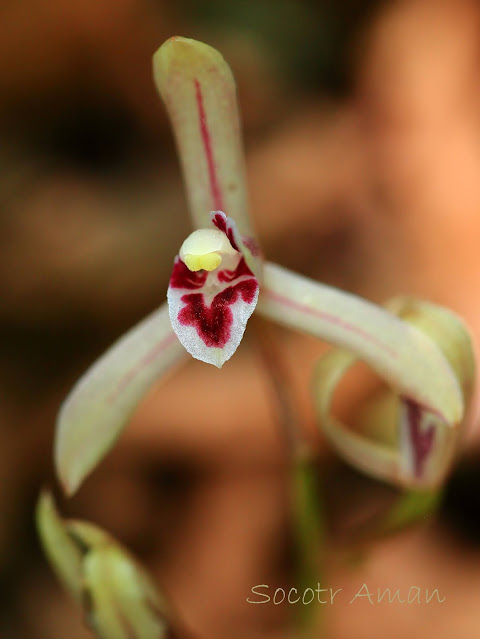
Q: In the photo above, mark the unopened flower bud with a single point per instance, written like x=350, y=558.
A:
x=117, y=595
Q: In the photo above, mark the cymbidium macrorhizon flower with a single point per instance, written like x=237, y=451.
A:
x=422, y=351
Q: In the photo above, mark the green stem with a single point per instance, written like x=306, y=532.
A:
x=309, y=534
x=307, y=515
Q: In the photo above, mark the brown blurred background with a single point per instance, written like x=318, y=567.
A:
x=362, y=129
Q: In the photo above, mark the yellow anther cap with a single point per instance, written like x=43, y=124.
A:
x=208, y=262
x=203, y=249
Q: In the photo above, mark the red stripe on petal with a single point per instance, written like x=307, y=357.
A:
x=332, y=319
x=213, y=324
x=207, y=145
x=421, y=439
x=221, y=222
x=229, y=276
x=183, y=277
x=155, y=352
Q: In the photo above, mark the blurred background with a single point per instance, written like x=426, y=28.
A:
x=362, y=130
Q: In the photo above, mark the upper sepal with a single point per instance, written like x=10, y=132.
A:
x=198, y=89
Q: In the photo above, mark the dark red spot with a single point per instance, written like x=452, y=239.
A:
x=214, y=323
x=229, y=276
x=183, y=277
x=422, y=440
x=221, y=224
x=207, y=146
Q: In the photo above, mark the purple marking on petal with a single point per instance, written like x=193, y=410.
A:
x=155, y=351
x=421, y=440
x=207, y=145
x=213, y=324
x=229, y=276
x=183, y=277
x=221, y=222
x=332, y=319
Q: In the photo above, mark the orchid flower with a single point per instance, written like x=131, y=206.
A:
x=219, y=278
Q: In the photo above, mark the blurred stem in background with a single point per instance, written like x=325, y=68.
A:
x=306, y=508
x=309, y=537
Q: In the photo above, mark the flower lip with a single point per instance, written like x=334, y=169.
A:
x=212, y=291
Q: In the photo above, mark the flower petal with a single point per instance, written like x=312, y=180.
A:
x=100, y=404
x=425, y=442
x=209, y=310
x=400, y=353
x=199, y=92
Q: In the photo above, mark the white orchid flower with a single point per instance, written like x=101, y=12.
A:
x=220, y=278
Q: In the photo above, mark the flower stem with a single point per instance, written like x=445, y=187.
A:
x=306, y=510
